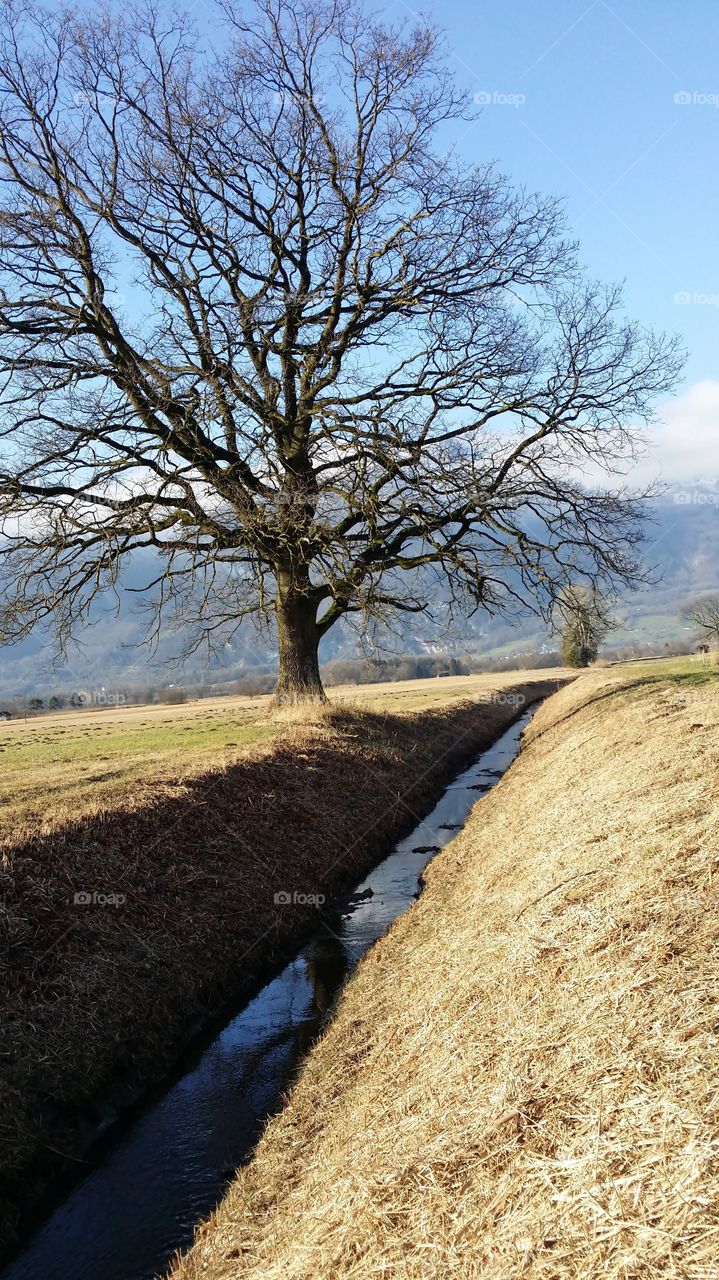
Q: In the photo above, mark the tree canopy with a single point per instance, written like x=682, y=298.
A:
x=253, y=316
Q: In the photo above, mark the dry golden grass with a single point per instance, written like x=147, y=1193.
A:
x=96, y=998
x=522, y=1079
x=57, y=769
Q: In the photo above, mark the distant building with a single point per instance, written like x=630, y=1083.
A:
x=5, y=715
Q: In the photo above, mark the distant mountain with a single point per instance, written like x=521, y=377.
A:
x=682, y=541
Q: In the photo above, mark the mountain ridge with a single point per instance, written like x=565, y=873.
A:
x=685, y=548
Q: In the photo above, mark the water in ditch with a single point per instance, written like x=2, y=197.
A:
x=165, y=1170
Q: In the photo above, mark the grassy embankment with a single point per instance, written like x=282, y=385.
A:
x=192, y=818
x=73, y=764
x=522, y=1078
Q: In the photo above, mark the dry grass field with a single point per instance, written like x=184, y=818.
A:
x=191, y=820
x=522, y=1078
x=56, y=769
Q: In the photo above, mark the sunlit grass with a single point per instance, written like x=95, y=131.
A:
x=55, y=772
x=689, y=671
x=58, y=768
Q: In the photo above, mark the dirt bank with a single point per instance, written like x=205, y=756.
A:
x=521, y=1079
x=127, y=932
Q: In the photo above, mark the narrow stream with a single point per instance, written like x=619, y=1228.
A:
x=166, y=1169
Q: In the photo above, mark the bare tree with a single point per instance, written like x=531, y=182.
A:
x=703, y=612
x=583, y=620
x=346, y=367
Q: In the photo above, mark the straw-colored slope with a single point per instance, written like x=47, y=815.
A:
x=523, y=1077
x=122, y=932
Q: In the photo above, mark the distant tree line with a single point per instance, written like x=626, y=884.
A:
x=579, y=641
x=262, y=681
x=36, y=704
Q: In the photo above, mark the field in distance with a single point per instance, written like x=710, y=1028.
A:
x=59, y=767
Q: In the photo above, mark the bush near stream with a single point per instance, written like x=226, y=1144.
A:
x=124, y=932
x=521, y=1078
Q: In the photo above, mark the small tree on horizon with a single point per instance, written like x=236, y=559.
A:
x=703, y=612
x=347, y=368
x=584, y=624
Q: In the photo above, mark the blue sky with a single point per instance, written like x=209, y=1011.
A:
x=612, y=105
x=595, y=118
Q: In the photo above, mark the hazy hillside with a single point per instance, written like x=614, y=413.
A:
x=683, y=541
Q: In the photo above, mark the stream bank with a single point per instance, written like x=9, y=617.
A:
x=521, y=1077
x=105, y=997
x=167, y=1169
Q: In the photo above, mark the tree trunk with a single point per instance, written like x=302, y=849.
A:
x=298, y=635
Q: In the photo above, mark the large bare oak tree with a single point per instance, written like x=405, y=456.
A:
x=345, y=365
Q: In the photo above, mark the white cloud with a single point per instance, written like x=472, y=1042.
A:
x=684, y=443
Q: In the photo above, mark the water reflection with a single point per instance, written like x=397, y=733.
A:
x=165, y=1171
x=326, y=966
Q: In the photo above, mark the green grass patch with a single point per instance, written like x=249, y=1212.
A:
x=117, y=743
x=680, y=671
